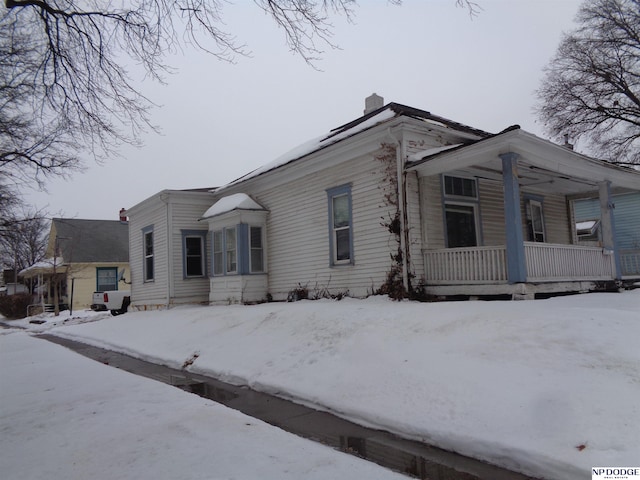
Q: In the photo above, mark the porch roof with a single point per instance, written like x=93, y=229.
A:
x=548, y=166
x=43, y=267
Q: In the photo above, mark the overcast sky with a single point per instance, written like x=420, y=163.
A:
x=220, y=120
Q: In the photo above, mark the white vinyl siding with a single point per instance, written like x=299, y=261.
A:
x=185, y=210
x=557, y=225
x=297, y=225
x=154, y=214
x=170, y=212
x=431, y=206
x=492, y=216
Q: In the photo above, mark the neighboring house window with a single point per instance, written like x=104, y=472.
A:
x=107, y=279
x=193, y=242
x=340, y=225
x=256, y=255
x=218, y=253
x=148, y=266
x=461, y=211
x=535, y=220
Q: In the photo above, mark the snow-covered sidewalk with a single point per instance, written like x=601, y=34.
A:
x=64, y=416
x=547, y=387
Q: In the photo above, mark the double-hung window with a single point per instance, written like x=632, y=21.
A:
x=225, y=251
x=147, y=245
x=535, y=219
x=193, y=247
x=107, y=279
x=460, y=211
x=340, y=225
x=256, y=250
x=231, y=250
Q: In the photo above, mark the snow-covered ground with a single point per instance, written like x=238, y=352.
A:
x=547, y=387
x=63, y=416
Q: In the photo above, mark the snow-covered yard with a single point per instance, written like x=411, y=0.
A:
x=550, y=388
x=64, y=416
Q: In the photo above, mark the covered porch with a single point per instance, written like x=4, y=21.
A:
x=49, y=281
x=536, y=251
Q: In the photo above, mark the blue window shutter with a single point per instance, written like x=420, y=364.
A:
x=243, y=248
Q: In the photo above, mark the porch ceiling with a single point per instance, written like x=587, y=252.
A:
x=542, y=165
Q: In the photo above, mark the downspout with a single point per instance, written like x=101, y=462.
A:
x=401, y=208
x=169, y=254
x=165, y=199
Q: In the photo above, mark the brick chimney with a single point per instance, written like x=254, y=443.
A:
x=123, y=215
x=373, y=102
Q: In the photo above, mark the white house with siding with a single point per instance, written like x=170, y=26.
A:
x=400, y=194
x=169, y=249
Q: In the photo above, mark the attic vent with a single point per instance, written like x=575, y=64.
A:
x=373, y=102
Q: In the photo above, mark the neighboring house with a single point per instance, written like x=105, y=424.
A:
x=399, y=196
x=170, y=255
x=626, y=214
x=85, y=256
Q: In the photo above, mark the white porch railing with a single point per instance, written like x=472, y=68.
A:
x=466, y=265
x=554, y=262
x=630, y=263
x=545, y=263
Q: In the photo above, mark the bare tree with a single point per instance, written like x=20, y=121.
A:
x=23, y=239
x=592, y=86
x=66, y=87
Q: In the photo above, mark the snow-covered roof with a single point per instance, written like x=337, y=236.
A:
x=365, y=122
x=317, y=143
x=43, y=266
x=237, y=201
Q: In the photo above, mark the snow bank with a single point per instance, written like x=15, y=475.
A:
x=67, y=417
x=547, y=387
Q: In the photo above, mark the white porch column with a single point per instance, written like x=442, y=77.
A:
x=608, y=225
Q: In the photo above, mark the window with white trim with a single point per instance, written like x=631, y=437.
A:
x=460, y=186
x=193, y=247
x=218, y=253
x=231, y=250
x=460, y=203
x=148, y=263
x=256, y=250
x=461, y=225
x=340, y=225
x=535, y=220
x=107, y=279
